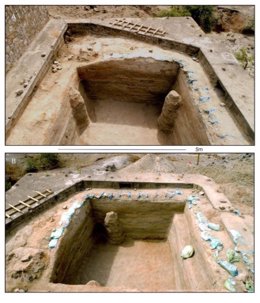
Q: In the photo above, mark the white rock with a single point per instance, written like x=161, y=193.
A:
x=187, y=252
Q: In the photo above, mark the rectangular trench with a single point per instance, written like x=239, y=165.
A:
x=148, y=259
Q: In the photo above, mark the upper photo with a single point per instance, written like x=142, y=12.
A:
x=129, y=75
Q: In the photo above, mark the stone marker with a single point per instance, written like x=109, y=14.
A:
x=169, y=111
x=79, y=109
x=114, y=229
x=93, y=283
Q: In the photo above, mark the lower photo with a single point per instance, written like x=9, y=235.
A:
x=129, y=222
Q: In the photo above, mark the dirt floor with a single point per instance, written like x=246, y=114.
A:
x=109, y=264
x=229, y=22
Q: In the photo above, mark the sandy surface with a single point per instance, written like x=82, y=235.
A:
x=109, y=264
x=231, y=23
x=233, y=172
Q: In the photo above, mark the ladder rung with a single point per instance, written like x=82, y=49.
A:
x=33, y=198
x=17, y=209
x=27, y=205
x=147, y=29
x=39, y=193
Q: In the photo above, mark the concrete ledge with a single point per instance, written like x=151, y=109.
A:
x=47, y=42
x=167, y=180
x=233, y=102
x=82, y=26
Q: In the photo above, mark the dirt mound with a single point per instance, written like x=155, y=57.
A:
x=150, y=163
x=114, y=163
x=99, y=11
x=236, y=19
x=25, y=264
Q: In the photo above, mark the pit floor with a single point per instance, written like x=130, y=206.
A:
x=118, y=122
x=133, y=264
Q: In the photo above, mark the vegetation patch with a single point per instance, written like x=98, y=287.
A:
x=13, y=172
x=174, y=11
x=249, y=29
x=202, y=14
x=40, y=162
x=244, y=57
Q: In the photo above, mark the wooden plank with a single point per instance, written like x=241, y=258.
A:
x=9, y=217
x=140, y=29
x=156, y=31
x=147, y=29
x=137, y=29
x=15, y=208
x=33, y=199
x=116, y=20
x=27, y=200
x=126, y=24
x=133, y=26
x=27, y=205
x=39, y=193
x=120, y=22
x=151, y=30
x=143, y=28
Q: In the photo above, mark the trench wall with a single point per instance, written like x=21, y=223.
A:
x=130, y=80
x=64, y=129
x=189, y=128
x=139, y=220
x=64, y=193
x=180, y=234
x=76, y=242
x=23, y=22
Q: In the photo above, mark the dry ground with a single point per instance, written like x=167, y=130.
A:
x=231, y=22
x=234, y=172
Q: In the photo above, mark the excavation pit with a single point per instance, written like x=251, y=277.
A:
x=119, y=236
x=109, y=87
x=125, y=97
x=109, y=265
x=105, y=254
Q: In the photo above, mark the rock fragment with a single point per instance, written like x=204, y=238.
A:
x=79, y=109
x=19, y=92
x=93, y=283
x=169, y=111
x=114, y=228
